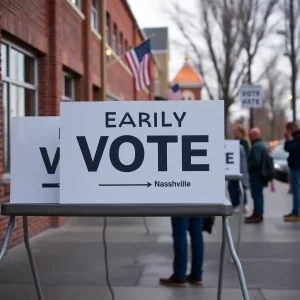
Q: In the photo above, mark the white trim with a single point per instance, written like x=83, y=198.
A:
x=146, y=90
x=115, y=97
x=63, y=96
x=6, y=178
x=96, y=34
x=119, y=60
x=17, y=47
x=77, y=12
x=26, y=85
x=95, y=10
x=190, y=84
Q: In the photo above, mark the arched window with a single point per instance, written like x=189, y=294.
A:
x=188, y=95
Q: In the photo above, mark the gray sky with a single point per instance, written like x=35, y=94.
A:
x=152, y=14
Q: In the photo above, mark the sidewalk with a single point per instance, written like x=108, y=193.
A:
x=70, y=260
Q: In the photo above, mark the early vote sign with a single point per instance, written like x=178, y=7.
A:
x=251, y=96
x=232, y=157
x=35, y=160
x=142, y=152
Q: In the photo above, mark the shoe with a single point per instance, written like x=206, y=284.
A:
x=254, y=219
x=246, y=209
x=173, y=282
x=288, y=215
x=291, y=218
x=195, y=281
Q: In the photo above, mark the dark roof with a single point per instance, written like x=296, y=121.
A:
x=160, y=39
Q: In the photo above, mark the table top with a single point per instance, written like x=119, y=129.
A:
x=234, y=177
x=117, y=210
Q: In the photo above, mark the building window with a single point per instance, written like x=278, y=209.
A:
x=77, y=3
x=126, y=45
x=121, y=44
x=68, y=87
x=19, y=91
x=115, y=39
x=107, y=29
x=188, y=95
x=94, y=14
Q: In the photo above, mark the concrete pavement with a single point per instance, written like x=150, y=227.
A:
x=71, y=266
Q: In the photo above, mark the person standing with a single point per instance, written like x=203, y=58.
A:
x=180, y=226
x=233, y=186
x=255, y=160
x=292, y=146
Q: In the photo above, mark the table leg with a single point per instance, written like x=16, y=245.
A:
x=238, y=243
x=222, y=256
x=235, y=258
x=146, y=225
x=10, y=227
x=31, y=260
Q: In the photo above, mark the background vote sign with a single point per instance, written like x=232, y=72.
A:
x=35, y=160
x=142, y=152
x=232, y=157
x=251, y=96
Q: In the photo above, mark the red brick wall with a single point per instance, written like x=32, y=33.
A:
x=61, y=39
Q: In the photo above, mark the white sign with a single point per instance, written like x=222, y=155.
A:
x=232, y=157
x=251, y=96
x=142, y=152
x=35, y=160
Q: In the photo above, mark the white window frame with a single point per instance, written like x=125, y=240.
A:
x=108, y=28
x=29, y=86
x=95, y=11
x=77, y=3
x=63, y=96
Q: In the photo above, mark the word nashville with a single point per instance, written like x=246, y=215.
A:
x=182, y=183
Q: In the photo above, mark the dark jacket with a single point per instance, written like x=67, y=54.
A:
x=245, y=144
x=244, y=167
x=293, y=148
x=255, y=159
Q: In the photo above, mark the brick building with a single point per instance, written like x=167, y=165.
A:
x=160, y=48
x=50, y=52
x=189, y=80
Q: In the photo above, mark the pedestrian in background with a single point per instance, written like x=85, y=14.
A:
x=180, y=226
x=255, y=164
x=233, y=185
x=292, y=146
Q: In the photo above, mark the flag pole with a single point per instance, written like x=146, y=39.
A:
x=119, y=58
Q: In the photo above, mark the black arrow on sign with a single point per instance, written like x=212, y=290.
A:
x=50, y=185
x=148, y=184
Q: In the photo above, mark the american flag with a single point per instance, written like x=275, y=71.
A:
x=138, y=60
x=174, y=93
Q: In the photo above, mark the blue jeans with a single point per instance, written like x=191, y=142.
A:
x=180, y=226
x=234, y=193
x=257, y=194
x=295, y=180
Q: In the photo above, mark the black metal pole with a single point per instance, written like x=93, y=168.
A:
x=293, y=58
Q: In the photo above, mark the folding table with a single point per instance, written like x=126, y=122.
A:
x=119, y=210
